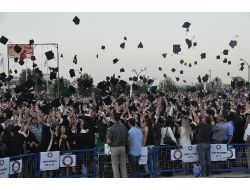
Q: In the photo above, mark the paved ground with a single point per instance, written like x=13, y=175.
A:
x=223, y=175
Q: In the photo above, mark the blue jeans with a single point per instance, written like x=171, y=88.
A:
x=149, y=166
x=134, y=165
x=203, y=150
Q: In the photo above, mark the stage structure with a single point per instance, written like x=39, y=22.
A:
x=30, y=52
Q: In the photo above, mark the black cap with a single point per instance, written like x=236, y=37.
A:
x=151, y=98
x=195, y=44
x=154, y=89
x=21, y=62
x=61, y=55
x=228, y=73
x=135, y=87
x=199, y=78
x=10, y=71
x=186, y=25
x=107, y=101
x=135, y=78
x=195, y=62
x=217, y=57
x=115, y=60
x=37, y=70
x=181, y=72
x=97, y=56
x=173, y=70
x=76, y=20
x=52, y=76
x=130, y=78
x=205, y=78
x=150, y=81
x=203, y=55
x=176, y=48
x=49, y=55
x=75, y=59
x=33, y=58
x=160, y=69
x=122, y=45
x=56, y=103
x=229, y=62
x=9, y=78
x=177, y=79
x=16, y=59
x=72, y=89
x=4, y=40
x=15, y=71
x=31, y=42
x=81, y=69
x=241, y=68
x=185, y=64
x=140, y=45
x=125, y=38
x=164, y=55
x=189, y=43
x=103, y=47
x=123, y=83
x=122, y=70
x=225, y=60
x=184, y=81
x=164, y=75
x=233, y=43
x=190, y=65
x=72, y=73
x=141, y=77
x=225, y=52
x=17, y=49
x=181, y=61
x=34, y=65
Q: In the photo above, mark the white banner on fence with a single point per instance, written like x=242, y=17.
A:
x=144, y=155
x=107, y=150
x=176, y=154
x=189, y=153
x=218, y=152
x=16, y=166
x=230, y=153
x=49, y=160
x=67, y=160
x=4, y=167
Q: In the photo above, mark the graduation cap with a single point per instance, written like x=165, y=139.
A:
x=189, y=43
x=177, y=79
x=61, y=55
x=115, y=60
x=181, y=72
x=76, y=20
x=205, y=78
x=97, y=56
x=135, y=79
x=52, y=76
x=29, y=83
x=72, y=89
x=185, y=64
x=49, y=55
x=195, y=62
x=140, y=45
x=151, y=97
x=56, y=103
x=119, y=76
x=34, y=65
x=225, y=60
x=173, y=70
x=15, y=71
x=107, y=101
x=122, y=70
x=114, y=81
x=154, y=89
x=37, y=70
x=75, y=59
x=17, y=49
x=135, y=87
x=164, y=75
x=103, y=47
x=217, y=57
x=184, y=81
x=229, y=62
x=72, y=73
x=122, y=45
x=186, y=25
x=203, y=55
x=228, y=73
x=225, y=52
x=233, y=43
x=4, y=40
x=33, y=58
x=199, y=78
x=150, y=81
x=9, y=78
x=241, y=68
x=176, y=48
x=130, y=78
x=10, y=71
x=141, y=77
x=190, y=65
x=21, y=62
x=16, y=59
x=123, y=83
x=195, y=44
x=31, y=42
x=160, y=69
x=125, y=38
x=164, y=55
x=81, y=69
x=181, y=61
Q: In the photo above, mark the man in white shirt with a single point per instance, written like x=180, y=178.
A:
x=246, y=138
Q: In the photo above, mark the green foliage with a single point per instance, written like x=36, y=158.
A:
x=85, y=85
x=167, y=85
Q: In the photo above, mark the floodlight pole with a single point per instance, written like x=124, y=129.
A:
x=248, y=68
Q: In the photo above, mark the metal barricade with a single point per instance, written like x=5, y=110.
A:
x=23, y=166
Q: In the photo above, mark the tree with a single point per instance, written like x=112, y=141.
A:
x=85, y=84
x=215, y=84
x=167, y=85
x=63, y=87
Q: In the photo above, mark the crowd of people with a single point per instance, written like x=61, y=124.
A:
x=126, y=124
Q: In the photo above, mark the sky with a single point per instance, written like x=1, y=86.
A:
x=158, y=31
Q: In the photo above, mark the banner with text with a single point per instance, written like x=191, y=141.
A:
x=218, y=152
x=189, y=153
x=67, y=160
x=49, y=160
x=4, y=167
x=144, y=155
x=16, y=166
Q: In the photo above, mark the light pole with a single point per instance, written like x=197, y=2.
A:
x=248, y=68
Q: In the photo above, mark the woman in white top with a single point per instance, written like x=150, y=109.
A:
x=170, y=133
x=185, y=132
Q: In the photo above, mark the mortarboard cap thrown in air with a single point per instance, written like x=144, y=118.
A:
x=140, y=45
x=52, y=75
x=103, y=47
x=181, y=72
x=195, y=44
x=190, y=65
x=33, y=58
x=61, y=55
x=203, y=55
x=205, y=78
x=228, y=73
x=49, y=55
x=164, y=75
x=122, y=45
x=229, y=62
x=160, y=69
x=189, y=43
x=122, y=70
x=15, y=71
x=75, y=59
x=225, y=60
x=176, y=48
x=21, y=62
x=17, y=48
x=76, y=20
x=177, y=79
x=164, y=55
x=31, y=42
x=34, y=65
x=72, y=73
x=181, y=61
x=199, y=78
x=186, y=25
x=233, y=43
x=225, y=52
x=16, y=59
x=217, y=57
x=173, y=70
x=4, y=40
x=115, y=60
x=195, y=62
x=125, y=38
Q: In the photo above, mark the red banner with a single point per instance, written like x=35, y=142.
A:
x=27, y=51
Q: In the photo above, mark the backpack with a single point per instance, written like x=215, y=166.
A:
x=196, y=170
x=167, y=140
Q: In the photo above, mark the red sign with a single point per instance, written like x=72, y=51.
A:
x=27, y=51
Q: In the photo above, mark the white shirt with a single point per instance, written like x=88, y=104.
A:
x=247, y=132
x=163, y=133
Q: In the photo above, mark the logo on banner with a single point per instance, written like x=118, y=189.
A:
x=218, y=147
x=177, y=154
x=67, y=160
x=16, y=167
x=50, y=154
x=190, y=148
x=230, y=153
x=1, y=162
